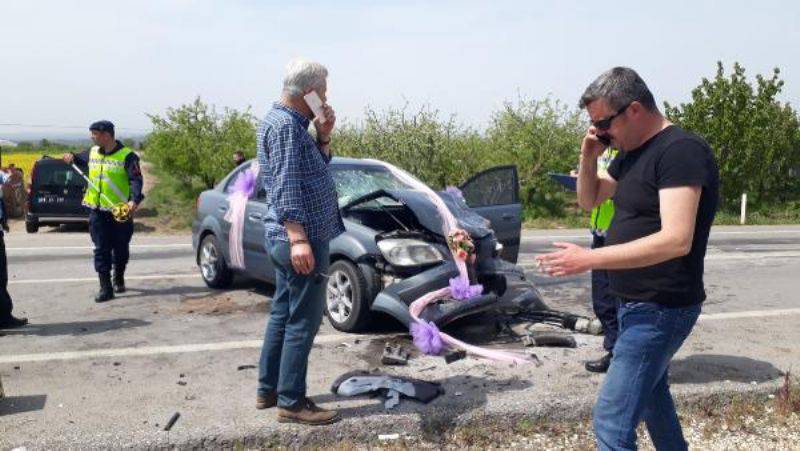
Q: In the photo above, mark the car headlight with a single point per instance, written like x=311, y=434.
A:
x=409, y=252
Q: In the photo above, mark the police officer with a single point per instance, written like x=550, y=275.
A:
x=7, y=320
x=603, y=303
x=114, y=170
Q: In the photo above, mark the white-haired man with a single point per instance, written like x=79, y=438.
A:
x=302, y=217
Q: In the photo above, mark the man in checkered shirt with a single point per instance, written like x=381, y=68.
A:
x=302, y=217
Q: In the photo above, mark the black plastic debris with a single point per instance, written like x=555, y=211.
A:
x=394, y=354
x=391, y=387
x=172, y=421
x=455, y=356
x=245, y=367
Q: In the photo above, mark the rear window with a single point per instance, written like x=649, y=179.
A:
x=57, y=175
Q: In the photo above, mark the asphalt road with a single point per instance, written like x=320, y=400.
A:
x=110, y=375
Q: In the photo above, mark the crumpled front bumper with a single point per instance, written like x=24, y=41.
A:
x=505, y=288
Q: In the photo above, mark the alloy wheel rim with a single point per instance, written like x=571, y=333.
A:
x=208, y=261
x=339, y=296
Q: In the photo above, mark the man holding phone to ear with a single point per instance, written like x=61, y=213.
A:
x=302, y=218
x=665, y=186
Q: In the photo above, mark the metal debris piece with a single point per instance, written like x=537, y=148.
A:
x=245, y=367
x=394, y=355
x=556, y=340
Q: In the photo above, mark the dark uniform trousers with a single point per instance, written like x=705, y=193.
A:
x=111, y=240
x=604, y=304
x=5, y=299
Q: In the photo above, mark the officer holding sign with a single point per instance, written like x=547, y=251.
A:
x=116, y=182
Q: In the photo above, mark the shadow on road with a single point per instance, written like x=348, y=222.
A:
x=705, y=368
x=76, y=328
x=21, y=404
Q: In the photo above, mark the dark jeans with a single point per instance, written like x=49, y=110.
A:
x=636, y=386
x=604, y=304
x=111, y=240
x=5, y=299
x=294, y=320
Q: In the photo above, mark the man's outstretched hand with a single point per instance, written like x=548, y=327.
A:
x=571, y=259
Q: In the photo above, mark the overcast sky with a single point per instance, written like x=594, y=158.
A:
x=72, y=62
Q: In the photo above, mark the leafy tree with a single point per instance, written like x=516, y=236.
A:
x=44, y=143
x=440, y=152
x=755, y=137
x=539, y=136
x=195, y=143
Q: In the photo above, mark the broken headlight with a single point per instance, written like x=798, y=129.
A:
x=409, y=252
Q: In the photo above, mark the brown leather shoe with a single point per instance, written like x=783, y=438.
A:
x=266, y=402
x=306, y=412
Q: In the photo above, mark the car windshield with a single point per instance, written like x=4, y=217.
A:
x=57, y=175
x=354, y=182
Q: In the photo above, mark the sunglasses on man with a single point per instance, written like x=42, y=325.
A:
x=605, y=124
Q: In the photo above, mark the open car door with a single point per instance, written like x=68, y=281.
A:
x=494, y=194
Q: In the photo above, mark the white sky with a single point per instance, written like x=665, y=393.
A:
x=73, y=62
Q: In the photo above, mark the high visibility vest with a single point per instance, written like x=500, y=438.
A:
x=603, y=213
x=108, y=174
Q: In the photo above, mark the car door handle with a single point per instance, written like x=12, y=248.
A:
x=223, y=208
x=254, y=217
x=508, y=216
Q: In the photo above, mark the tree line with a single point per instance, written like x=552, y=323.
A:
x=755, y=137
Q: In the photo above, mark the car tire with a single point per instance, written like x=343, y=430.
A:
x=346, y=303
x=213, y=268
x=31, y=226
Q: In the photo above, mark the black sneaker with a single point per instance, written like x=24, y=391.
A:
x=11, y=322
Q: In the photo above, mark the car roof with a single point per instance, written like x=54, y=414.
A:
x=347, y=161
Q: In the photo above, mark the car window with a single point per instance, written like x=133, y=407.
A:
x=496, y=186
x=352, y=183
x=57, y=175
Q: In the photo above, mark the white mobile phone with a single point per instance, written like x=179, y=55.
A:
x=315, y=103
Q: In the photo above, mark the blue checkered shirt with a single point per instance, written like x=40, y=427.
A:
x=295, y=175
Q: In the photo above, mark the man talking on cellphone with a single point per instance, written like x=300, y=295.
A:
x=665, y=186
x=302, y=218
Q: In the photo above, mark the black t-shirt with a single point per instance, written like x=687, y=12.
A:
x=672, y=158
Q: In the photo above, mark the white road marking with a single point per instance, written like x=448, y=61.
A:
x=713, y=234
x=155, y=350
x=94, y=279
x=320, y=339
x=748, y=314
x=82, y=248
x=530, y=262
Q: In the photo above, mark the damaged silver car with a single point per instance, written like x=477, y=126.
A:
x=393, y=250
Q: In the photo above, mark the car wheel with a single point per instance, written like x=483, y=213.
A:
x=31, y=227
x=346, y=305
x=213, y=268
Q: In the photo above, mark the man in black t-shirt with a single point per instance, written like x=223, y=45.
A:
x=665, y=186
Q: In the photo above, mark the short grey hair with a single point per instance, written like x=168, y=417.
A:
x=303, y=75
x=619, y=86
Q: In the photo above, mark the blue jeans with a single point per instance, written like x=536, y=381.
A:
x=294, y=320
x=636, y=387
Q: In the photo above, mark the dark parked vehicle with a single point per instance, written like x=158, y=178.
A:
x=393, y=250
x=54, y=195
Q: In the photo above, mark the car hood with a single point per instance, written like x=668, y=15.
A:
x=428, y=215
